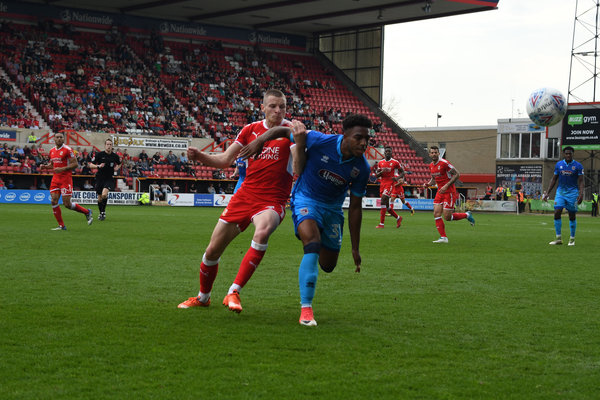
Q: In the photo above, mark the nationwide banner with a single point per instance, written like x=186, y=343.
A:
x=8, y=135
x=169, y=29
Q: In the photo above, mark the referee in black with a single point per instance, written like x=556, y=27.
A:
x=108, y=163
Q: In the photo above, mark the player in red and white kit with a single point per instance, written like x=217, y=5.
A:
x=63, y=162
x=398, y=192
x=444, y=175
x=387, y=171
x=260, y=200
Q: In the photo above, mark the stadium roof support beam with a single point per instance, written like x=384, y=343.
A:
x=152, y=4
x=243, y=10
x=338, y=13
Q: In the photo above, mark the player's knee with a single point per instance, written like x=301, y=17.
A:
x=313, y=247
x=327, y=267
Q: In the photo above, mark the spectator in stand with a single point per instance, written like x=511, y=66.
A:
x=10, y=184
x=14, y=159
x=28, y=166
x=183, y=159
x=211, y=189
x=489, y=191
x=87, y=185
x=143, y=155
x=499, y=193
x=173, y=160
x=85, y=169
x=2, y=186
x=156, y=159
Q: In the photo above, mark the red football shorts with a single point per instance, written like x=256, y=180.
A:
x=447, y=199
x=386, y=189
x=62, y=183
x=241, y=211
x=398, y=192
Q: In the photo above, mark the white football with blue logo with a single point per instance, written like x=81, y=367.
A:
x=546, y=106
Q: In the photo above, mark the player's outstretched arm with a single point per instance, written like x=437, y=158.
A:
x=221, y=160
x=354, y=223
x=255, y=147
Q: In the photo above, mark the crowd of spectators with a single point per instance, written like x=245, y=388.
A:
x=29, y=158
x=118, y=83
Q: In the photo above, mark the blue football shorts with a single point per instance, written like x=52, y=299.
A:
x=568, y=201
x=329, y=220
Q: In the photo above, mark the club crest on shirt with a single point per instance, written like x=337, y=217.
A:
x=304, y=211
x=355, y=172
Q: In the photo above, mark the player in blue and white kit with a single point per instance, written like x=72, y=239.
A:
x=334, y=165
x=569, y=193
x=240, y=171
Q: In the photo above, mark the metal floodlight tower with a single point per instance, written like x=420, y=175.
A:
x=583, y=72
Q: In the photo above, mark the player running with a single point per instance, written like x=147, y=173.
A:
x=569, y=174
x=444, y=175
x=334, y=164
x=260, y=200
x=387, y=171
x=108, y=163
x=63, y=162
x=398, y=192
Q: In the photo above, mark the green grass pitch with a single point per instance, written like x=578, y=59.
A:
x=497, y=313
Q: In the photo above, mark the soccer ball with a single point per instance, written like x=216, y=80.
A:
x=546, y=106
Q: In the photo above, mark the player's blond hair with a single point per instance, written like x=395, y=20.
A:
x=274, y=93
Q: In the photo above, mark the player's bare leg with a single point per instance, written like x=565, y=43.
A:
x=265, y=224
x=385, y=201
x=438, y=210
x=76, y=207
x=222, y=235
x=54, y=197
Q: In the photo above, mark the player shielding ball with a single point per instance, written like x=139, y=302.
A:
x=569, y=175
x=444, y=175
x=334, y=164
x=63, y=162
x=108, y=163
x=260, y=200
x=387, y=171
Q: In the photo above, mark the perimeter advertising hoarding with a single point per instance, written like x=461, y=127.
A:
x=529, y=176
x=18, y=196
x=581, y=127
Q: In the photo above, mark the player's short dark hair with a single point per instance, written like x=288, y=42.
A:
x=274, y=93
x=387, y=147
x=353, y=120
x=108, y=140
x=434, y=147
x=569, y=148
